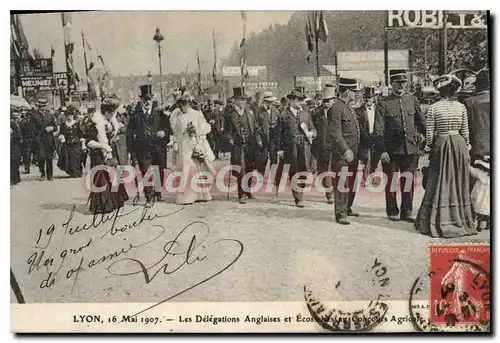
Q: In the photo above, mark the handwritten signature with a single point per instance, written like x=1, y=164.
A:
x=187, y=248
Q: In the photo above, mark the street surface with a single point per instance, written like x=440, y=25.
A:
x=284, y=248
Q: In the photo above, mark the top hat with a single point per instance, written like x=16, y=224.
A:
x=295, y=94
x=146, y=91
x=328, y=93
x=42, y=102
x=445, y=80
x=369, y=92
x=398, y=75
x=300, y=89
x=268, y=96
x=239, y=93
x=348, y=83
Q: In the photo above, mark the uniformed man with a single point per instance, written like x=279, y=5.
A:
x=297, y=131
x=479, y=110
x=267, y=118
x=45, y=127
x=343, y=135
x=148, y=132
x=398, y=121
x=241, y=130
x=366, y=117
x=321, y=148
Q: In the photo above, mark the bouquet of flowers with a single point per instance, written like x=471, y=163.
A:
x=190, y=129
x=198, y=154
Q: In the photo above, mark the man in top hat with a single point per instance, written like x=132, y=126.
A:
x=321, y=148
x=479, y=110
x=45, y=127
x=366, y=117
x=267, y=118
x=296, y=130
x=148, y=132
x=398, y=121
x=343, y=136
x=242, y=132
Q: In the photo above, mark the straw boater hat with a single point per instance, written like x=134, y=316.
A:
x=446, y=80
x=328, y=93
x=269, y=97
x=349, y=83
x=42, y=103
x=185, y=97
x=398, y=75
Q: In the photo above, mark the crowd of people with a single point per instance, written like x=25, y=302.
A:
x=335, y=129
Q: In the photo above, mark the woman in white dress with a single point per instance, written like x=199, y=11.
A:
x=194, y=155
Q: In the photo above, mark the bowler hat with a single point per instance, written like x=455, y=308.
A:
x=295, y=94
x=146, y=91
x=218, y=102
x=239, y=92
x=398, y=75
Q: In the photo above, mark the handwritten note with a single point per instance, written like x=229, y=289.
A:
x=130, y=245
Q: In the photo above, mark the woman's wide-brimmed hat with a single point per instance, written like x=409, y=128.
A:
x=446, y=80
x=185, y=97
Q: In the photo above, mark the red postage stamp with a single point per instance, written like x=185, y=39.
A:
x=460, y=284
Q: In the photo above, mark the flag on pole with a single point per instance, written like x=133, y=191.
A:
x=310, y=40
x=52, y=52
x=200, y=89
x=214, y=72
x=322, y=28
x=243, y=57
x=66, y=19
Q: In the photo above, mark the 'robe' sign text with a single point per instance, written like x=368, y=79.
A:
x=435, y=19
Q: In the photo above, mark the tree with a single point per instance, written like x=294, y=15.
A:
x=37, y=54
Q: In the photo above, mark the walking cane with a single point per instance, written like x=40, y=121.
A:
x=15, y=288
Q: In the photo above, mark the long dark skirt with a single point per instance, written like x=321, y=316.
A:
x=108, y=200
x=446, y=208
x=70, y=159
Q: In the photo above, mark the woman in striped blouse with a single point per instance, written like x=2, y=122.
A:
x=446, y=207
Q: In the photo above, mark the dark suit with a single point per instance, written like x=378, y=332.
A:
x=45, y=142
x=268, y=122
x=368, y=153
x=296, y=147
x=242, y=130
x=343, y=135
x=320, y=148
x=479, y=111
x=146, y=146
x=398, y=119
x=27, y=129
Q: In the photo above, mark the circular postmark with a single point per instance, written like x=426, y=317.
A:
x=346, y=318
x=459, y=298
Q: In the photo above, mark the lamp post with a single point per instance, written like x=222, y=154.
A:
x=425, y=58
x=150, y=77
x=158, y=37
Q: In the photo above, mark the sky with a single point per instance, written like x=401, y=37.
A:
x=125, y=38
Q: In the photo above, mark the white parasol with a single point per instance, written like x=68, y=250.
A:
x=18, y=102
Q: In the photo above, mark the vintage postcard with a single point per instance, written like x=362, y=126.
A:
x=250, y=171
